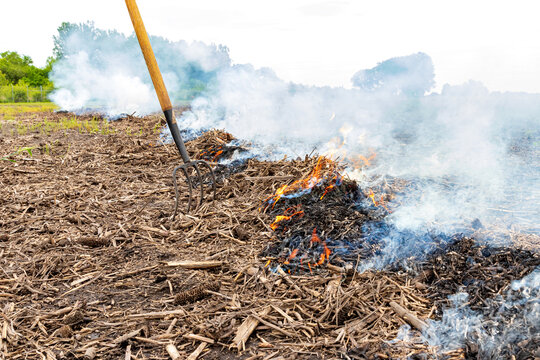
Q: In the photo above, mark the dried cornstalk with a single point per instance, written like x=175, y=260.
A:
x=408, y=316
x=188, y=264
x=244, y=331
x=173, y=352
x=195, y=354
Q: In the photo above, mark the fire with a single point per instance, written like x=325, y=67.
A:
x=325, y=170
x=280, y=218
x=336, y=149
x=212, y=154
x=325, y=173
x=359, y=160
x=315, y=242
x=381, y=202
x=216, y=156
x=314, y=237
x=292, y=256
x=325, y=255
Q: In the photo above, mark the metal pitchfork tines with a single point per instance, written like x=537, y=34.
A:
x=191, y=169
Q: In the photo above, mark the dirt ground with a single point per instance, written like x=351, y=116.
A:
x=91, y=265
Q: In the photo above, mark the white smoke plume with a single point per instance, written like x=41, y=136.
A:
x=104, y=70
x=470, y=153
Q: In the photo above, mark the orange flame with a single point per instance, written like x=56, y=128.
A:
x=314, y=178
x=381, y=202
x=217, y=154
x=325, y=255
x=366, y=160
x=279, y=193
x=280, y=218
x=330, y=187
x=292, y=256
x=213, y=153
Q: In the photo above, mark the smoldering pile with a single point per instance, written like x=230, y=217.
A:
x=221, y=149
x=486, y=299
x=480, y=270
x=314, y=217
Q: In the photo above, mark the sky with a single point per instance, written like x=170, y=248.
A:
x=320, y=42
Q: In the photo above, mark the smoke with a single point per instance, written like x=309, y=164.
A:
x=105, y=71
x=507, y=323
x=471, y=153
x=468, y=153
x=413, y=74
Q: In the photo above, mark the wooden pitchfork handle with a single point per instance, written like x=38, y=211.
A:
x=157, y=79
x=166, y=106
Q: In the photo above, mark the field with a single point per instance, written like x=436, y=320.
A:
x=9, y=111
x=93, y=267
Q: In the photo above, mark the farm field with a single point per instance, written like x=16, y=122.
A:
x=92, y=266
x=11, y=110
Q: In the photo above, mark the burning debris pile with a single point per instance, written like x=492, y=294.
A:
x=215, y=145
x=325, y=217
x=219, y=147
x=317, y=216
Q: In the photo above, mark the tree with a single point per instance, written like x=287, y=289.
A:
x=13, y=66
x=87, y=30
x=3, y=80
x=36, y=77
x=16, y=69
x=64, y=30
x=412, y=75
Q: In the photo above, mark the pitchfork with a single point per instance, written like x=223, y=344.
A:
x=189, y=167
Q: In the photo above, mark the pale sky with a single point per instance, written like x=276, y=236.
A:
x=320, y=42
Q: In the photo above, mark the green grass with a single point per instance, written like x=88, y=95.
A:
x=46, y=127
x=93, y=126
x=21, y=150
x=9, y=110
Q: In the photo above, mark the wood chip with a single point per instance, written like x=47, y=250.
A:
x=199, y=338
x=127, y=336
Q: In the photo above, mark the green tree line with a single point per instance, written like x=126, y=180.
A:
x=21, y=80
x=16, y=69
